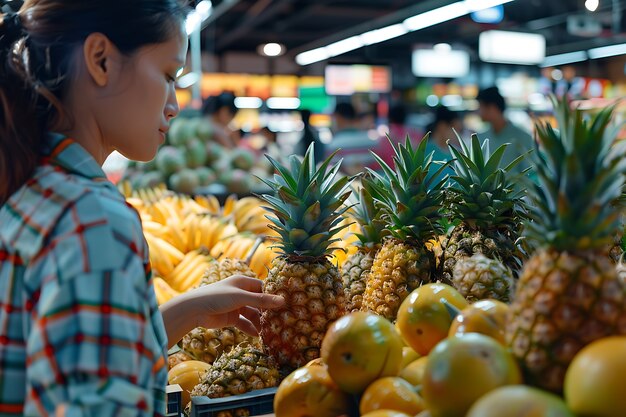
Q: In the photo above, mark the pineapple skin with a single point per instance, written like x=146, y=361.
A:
x=314, y=297
x=398, y=269
x=464, y=243
x=563, y=302
x=245, y=368
x=479, y=278
x=354, y=275
x=208, y=344
x=219, y=270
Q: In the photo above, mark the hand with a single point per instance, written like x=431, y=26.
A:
x=235, y=301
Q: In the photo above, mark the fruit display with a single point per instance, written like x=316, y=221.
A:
x=407, y=293
x=487, y=205
x=357, y=266
x=569, y=293
x=191, y=161
x=411, y=198
x=306, y=209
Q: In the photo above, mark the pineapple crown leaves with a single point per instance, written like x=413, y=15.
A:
x=307, y=205
x=580, y=179
x=368, y=214
x=411, y=195
x=482, y=194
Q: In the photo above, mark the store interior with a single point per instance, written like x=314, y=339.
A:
x=280, y=57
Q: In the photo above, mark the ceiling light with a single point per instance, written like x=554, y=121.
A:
x=562, y=59
x=204, y=8
x=193, y=22
x=607, y=51
x=271, y=49
x=442, y=48
x=283, y=103
x=417, y=22
x=188, y=80
x=383, y=34
x=248, y=102
x=592, y=5
x=511, y=47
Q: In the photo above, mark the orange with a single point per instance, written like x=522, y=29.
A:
x=424, y=413
x=408, y=356
x=423, y=318
x=360, y=348
x=385, y=413
x=595, y=382
x=391, y=393
x=414, y=372
x=519, y=401
x=316, y=362
x=310, y=391
x=462, y=369
x=187, y=374
x=487, y=317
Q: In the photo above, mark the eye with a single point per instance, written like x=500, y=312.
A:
x=170, y=78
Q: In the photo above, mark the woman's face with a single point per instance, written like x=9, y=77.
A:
x=135, y=112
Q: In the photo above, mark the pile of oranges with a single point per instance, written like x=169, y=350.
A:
x=443, y=358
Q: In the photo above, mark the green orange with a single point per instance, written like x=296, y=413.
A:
x=486, y=317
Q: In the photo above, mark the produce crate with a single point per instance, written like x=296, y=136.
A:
x=258, y=403
x=174, y=401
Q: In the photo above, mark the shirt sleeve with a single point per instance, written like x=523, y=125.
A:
x=93, y=344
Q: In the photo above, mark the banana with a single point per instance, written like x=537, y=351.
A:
x=192, y=272
x=158, y=257
x=163, y=291
x=229, y=205
x=176, y=236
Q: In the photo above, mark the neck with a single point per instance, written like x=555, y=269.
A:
x=498, y=124
x=84, y=131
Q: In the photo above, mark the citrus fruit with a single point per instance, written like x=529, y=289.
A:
x=595, y=382
x=487, y=317
x=519, y=401
x=408, y=356
x=423, y=318
x=309, y=391
x=391, y=393
x=187, y=374
x=385, y=413
x=462, y=369
x=360, y=348
x=414, y=372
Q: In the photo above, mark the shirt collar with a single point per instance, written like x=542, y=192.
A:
x=69, y=155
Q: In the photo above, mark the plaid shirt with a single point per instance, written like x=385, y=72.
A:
x=79, y=322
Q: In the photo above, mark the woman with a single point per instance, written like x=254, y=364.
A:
x=221, y=110
x=80, y=330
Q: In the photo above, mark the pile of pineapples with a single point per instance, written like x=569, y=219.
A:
x=470, y=223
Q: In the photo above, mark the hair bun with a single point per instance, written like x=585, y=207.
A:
x=11, y=29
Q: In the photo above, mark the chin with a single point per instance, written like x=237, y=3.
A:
x=141, y=155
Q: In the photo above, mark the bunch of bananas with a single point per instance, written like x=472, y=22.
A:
x=185, y=234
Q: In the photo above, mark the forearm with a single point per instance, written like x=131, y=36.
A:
x=177, y=317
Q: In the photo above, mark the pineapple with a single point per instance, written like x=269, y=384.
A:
x=307, y=211
x=485, y=203
x=208, y=344
x=219, y=270
x=356, y=268
x=411, y=200
x=569, y=294
x=243, y=369
x=479, y=277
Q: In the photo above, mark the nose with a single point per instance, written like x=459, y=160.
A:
x=171, y=107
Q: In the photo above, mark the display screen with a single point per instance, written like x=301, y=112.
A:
x=343, y=80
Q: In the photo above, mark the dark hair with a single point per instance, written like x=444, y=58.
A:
x=491, y=95
x=345, y=110
x=445, y=115
x=36, y=48
x=213, y=104
x=397, y=114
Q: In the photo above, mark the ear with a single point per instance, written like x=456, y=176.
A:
x=97, y=52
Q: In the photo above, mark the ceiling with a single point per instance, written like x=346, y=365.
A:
x=241, y=25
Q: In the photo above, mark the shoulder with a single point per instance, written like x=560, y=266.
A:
x=62, y=214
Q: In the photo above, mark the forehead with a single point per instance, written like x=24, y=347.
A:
x=174, y=49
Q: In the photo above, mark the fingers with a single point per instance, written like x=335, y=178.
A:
x=245, y=283
x=246, y=326
x=261, y=301
x=252, y=314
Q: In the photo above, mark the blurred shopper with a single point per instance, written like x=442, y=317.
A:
x=447, y=124
x=221, y=110
x=309, y=136
x=491, y=110
x=398, y=131
x=354, y=144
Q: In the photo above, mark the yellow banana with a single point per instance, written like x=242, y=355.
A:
x=190, y=273
x=229, y=205
x=160, y=260
x=163, y=291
